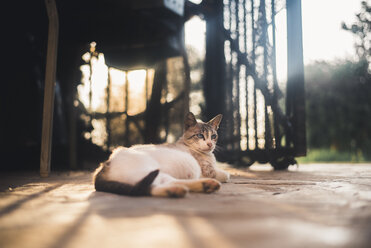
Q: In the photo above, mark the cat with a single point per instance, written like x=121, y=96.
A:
x=167, y=170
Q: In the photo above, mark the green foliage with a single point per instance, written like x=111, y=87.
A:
x=362, y=29
x=329, y=155
x=339, y=101
x=339, y=107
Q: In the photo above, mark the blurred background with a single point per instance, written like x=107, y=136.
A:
x=336, y=39
x=291, y=78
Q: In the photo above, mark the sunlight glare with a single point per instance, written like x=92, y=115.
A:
x=251, y=118
x=243, y=112
x=207, y=234
x=137, y=80
x=323, y=38
x=195, y=30
x=260, y=119
x=99, y=135
x=99, y=83
x=137, y=99
x=196, y=1
x=281, y=46
x=117, y=93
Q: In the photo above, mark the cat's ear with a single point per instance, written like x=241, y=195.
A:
x=214, y=122
x=189, y=121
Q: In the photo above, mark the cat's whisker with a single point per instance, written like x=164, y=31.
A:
x=219, y=148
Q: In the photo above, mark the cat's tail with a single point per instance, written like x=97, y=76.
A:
x=142, y=188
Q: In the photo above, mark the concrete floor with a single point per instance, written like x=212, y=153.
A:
x=316, y=205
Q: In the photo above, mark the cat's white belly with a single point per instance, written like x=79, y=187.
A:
x=130, y=165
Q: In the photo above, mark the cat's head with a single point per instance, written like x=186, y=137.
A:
x=201, y=136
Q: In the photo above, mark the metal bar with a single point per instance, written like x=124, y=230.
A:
x=49, y=90
x=230, y=15
x=230, y=83
x=237, y=85
x=264, y=26
x=246, y=73
x=295, y=103
x=253, y=65
x=244, y=26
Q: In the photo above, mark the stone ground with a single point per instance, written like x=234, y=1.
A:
x=314, y=205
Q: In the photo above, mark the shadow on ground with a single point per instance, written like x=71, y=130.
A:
x=311, y=206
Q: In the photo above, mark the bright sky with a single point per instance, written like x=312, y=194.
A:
x=323, y=38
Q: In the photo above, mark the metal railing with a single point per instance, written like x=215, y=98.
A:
x=259, y=127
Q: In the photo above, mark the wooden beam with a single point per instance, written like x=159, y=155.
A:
x=50, y=72
x=295, y=101
x=214, y=81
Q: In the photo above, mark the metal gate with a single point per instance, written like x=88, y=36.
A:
x=265, y=121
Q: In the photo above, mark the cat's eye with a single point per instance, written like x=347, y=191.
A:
x=200, y=136
x=213, y=136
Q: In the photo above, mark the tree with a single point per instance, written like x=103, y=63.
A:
x=339, y=106
x=362, y=30
x=338, y=96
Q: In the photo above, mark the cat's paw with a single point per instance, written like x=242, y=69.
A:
x=173, y=191
x=176, y=191
x=222, y=176
x=210, y=185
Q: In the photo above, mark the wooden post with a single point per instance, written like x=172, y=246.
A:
x=214, y=81
x=295, y=103
x=154, y=111
x=50, y=72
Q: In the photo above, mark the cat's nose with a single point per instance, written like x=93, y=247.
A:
x=209, y=144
